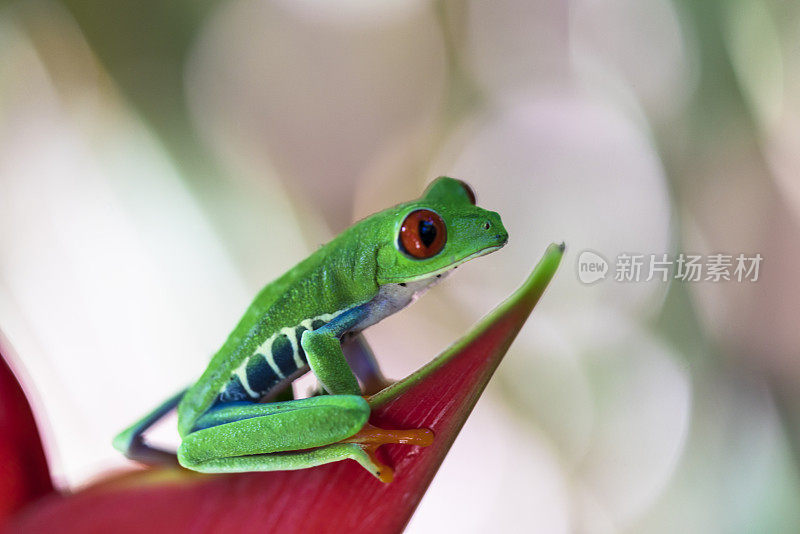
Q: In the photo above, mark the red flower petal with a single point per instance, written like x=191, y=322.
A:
x=24, y=476
x=338, y=497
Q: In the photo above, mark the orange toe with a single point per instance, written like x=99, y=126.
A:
x=372, y=435
x=385, y=473
x=369, y=438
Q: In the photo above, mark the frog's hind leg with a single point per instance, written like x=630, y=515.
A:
x=130, y=441
x=300, y=459
x=242, y=437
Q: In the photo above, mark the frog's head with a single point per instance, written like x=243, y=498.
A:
x=436, y=233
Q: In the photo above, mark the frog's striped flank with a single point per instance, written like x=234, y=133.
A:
x=278, y=357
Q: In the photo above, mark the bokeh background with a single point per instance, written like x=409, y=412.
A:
x=161, y=161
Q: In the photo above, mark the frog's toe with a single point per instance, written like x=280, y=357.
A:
x=372, y=463
x=369, y=438
x=372, y=435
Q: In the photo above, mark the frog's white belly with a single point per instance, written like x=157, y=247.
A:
x=392, y=298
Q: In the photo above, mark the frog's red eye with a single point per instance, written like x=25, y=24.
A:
x=422, y=234
x=468, y=190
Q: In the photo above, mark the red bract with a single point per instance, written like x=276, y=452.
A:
x=338, y=497
x=23, y=470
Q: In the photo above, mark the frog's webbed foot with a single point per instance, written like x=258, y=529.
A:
x=370, y=437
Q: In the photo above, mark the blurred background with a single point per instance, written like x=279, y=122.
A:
x=162, y=161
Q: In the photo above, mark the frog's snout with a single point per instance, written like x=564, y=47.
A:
x=502, y=239
x=495, y=227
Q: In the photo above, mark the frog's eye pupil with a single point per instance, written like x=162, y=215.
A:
x=427, y=232
x=422, y=235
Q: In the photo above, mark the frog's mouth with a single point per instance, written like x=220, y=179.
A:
x=443, y=270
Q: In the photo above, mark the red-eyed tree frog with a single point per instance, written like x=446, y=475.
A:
x=240, y=415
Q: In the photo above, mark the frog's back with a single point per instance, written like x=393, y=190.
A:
x=264, y=350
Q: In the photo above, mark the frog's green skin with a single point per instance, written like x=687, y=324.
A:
x=310, y=314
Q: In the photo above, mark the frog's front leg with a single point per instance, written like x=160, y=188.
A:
x=324, y=353
x=362, y=361
x=323, y=349
x=240, y=437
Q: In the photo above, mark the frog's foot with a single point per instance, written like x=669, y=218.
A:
x=369, y=438
x=372, y=435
